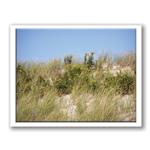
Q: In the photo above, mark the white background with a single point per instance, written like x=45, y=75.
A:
x=68, y=11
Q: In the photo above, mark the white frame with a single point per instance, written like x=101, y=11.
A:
x=138, y=122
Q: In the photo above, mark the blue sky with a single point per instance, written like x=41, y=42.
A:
x=47, y=44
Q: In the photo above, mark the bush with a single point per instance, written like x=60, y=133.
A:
x=123, y=83
x=78, y=76
x=86, y=82
x=65, y=83
x=23, y=80
x=109, y=81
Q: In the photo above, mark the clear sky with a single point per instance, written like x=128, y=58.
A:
x=47, y=44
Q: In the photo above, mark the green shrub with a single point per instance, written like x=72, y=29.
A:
x=109, y=81
x=123, y=83
x=72, y=73
x=23, y=80
x=87, y=82
x=64, y=85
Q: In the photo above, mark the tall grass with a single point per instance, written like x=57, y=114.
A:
x=96, y=94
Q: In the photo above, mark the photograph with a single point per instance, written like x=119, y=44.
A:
x=75, y=75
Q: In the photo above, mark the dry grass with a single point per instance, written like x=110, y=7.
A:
x=54, y=92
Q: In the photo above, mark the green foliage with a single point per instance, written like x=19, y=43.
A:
x=89, y=59
x=90, y=62
x=64, y=85
x=81, y=77
x=123, y=83
x=87, y=82
x=23, y=80
x=72, y=73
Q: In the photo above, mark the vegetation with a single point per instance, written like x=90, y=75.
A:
x=54, y=91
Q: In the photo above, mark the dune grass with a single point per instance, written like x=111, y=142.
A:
x=96, y=93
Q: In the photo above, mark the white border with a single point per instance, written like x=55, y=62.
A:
x=138, y=122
